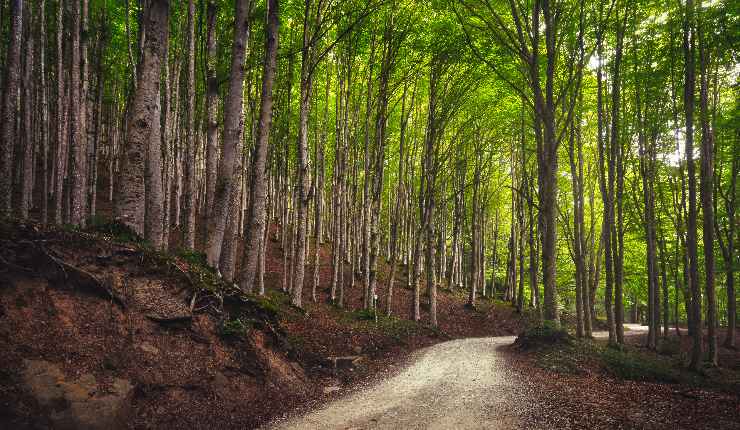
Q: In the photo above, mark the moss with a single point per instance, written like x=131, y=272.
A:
x=670, y=346
x=274, y=303
x=113, y=230
x=237, y=327
x=545, y=334
x=626, y=364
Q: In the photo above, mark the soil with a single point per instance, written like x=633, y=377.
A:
x=187, y=372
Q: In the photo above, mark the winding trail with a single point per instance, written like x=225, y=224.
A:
x=460, y=384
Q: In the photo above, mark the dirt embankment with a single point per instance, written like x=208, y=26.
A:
x=108, y=334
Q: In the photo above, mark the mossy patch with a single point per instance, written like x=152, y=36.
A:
x=545, y=334
x=113, y=230
x=631, y=365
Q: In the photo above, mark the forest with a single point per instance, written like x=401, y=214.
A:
x=573, y=162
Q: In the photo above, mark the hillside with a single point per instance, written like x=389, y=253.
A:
x=98, y=329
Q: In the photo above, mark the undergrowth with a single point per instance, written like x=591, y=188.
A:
x=579, y=357
x=543, y=335
x=370, y=320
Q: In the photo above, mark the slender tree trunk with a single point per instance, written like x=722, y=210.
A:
x=77, y=115
x=212, y=109
x=8, y=137
x=190, y=205
x=61, y=149
x=302, y=178
x=728, y=250
x=578, y=252
x=607, y=197
x=691, y=242
x=706, y=190
x=256, y=210
x=228, y=177
x=25, y=187
x=44, y=113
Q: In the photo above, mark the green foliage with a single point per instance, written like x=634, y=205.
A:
x=627, y=364
x=237, y=327
x=671, y=347
x=364, y=315
x=192, y=257
x=545, y=334
x=113, y=230
x=273, y=302
x=365, y=319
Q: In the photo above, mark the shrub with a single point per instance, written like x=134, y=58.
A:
x=237, y=327
x=546, y=333
x=115, y=230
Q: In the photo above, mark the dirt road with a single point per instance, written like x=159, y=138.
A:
x=460, y=384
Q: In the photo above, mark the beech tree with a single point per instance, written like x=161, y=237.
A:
x=144, y=133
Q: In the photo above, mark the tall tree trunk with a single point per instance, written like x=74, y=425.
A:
x=62, y=149
x=190, y=205
x=302, y=178
x=233, y=128
x=615, y=163
x=256, y=209
x=319, y=193
x=8, y=137
x=706, y=190
x=691, y=242
x=77, y=114
x=576, y=169
x=607, y=195
x=44, y=113
x=25, y=186
x=728, y=249
x=143, y=128
x=212, y=108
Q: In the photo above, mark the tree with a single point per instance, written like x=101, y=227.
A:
x=10, y=105
x=233, y=128
x=190, y=203
x=691, y=246
x=143, y=132
x=256, y=216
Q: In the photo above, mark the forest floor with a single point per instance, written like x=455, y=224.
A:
x=587, y=385
x=499, y=383
x=96, y=321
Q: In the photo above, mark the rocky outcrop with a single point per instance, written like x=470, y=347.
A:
x=80, y=403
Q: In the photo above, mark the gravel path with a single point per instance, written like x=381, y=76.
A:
x=460, y=384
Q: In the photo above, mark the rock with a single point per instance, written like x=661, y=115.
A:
x=221, y=384
x=347, y=362
x=149, y=348
x=331, y=389
x=77, y=404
